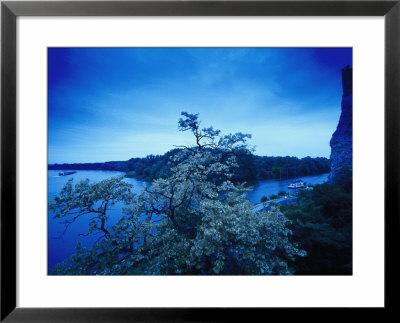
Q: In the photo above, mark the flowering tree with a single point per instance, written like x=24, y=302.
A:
x=195, y=221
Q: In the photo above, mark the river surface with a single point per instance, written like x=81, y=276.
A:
x=61, y=246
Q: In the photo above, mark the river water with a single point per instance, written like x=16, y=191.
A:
x=61, y=246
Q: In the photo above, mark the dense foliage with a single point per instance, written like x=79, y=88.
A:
x=289, y=167
x=322, y=225
x=196, y=220
x=251, y=167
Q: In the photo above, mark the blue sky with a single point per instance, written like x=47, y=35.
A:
x=117, y=103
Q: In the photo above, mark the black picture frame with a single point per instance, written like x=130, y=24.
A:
x=10, y=10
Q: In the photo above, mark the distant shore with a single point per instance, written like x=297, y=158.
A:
x=252, y=168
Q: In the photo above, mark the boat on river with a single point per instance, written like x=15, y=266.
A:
x=297, y=184
x=65, y=173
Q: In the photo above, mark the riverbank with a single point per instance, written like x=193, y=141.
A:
x=60, y=249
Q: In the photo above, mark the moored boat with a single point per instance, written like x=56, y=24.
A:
x=66, y=173
x=297, y=184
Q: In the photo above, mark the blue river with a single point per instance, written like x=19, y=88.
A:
x=61, y=246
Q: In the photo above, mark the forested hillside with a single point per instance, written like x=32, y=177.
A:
x=251, y=167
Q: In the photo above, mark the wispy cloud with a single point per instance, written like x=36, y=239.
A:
x=118, y=103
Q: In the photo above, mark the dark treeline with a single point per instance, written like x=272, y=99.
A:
x=251, y=167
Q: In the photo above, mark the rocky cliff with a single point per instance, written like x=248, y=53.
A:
x=342, y=139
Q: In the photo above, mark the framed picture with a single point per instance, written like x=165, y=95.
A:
x=135, y=93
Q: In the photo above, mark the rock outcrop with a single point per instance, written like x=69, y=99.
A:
x=342, y=139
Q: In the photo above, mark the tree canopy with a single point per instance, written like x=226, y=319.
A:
x=196, y=220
